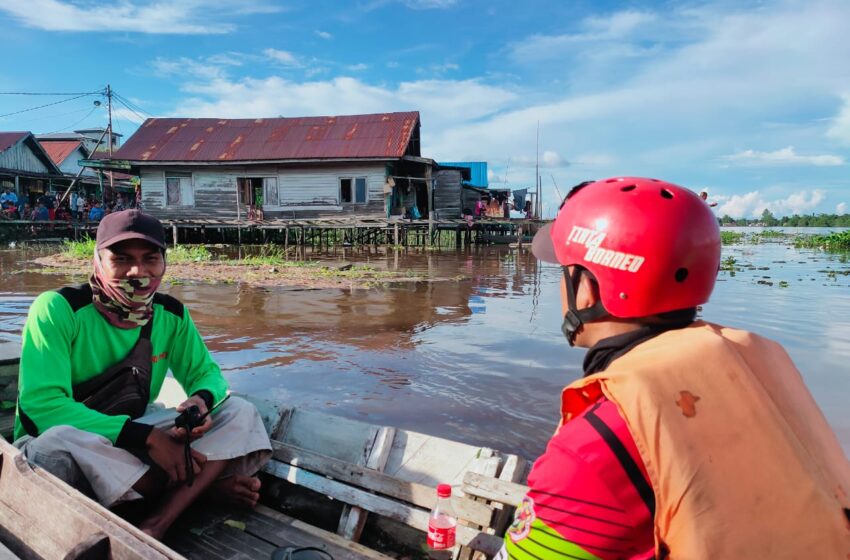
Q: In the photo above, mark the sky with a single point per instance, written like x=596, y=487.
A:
x=749, y=100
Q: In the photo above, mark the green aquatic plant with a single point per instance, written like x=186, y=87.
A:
x=728, y=264
x=78, y=249
x=731, y=237
x=835, y=241
x=188, y=254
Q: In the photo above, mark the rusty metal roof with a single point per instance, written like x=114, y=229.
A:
x=9, y=139
x=385, y=135
x=59, y=150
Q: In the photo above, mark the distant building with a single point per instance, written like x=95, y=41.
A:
x=363, y=165
x=25, y=167
x=88, y=137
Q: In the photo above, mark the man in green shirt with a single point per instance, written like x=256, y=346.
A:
x=117, y=327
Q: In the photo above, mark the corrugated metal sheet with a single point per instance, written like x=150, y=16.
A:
x=9, y=139
x=478, y=171
x=224, y=140
x=58, y=150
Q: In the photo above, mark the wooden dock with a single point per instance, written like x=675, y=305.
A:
x=350, y=230
x=10, y=357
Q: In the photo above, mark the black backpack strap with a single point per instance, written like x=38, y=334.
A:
x=147, y=329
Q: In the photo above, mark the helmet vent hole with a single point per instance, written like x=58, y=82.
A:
x=612, y=180
x=681, y=274
x=628, y=188
x=666, y=194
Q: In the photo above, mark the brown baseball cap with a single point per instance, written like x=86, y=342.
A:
x=129, y=224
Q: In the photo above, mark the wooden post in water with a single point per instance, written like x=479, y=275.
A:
x=430, y=192
x=174, y=235
x=519, y=237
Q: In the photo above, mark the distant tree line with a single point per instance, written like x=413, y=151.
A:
x=767, y=219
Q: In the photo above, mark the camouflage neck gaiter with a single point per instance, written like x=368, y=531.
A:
x=125, y=303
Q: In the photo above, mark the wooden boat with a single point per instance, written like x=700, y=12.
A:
x=357, y=490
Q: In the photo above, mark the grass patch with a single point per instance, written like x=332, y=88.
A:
x=188, y=253
x=836, y=241
x=731, y=237
x=79, y=249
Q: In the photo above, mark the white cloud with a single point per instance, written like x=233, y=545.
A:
x=841, y=208
x=358, y=67
x=159, y=17
x=754, y=203
x=548, y=159
x=323, y=35
x=283, y=57
x=438, y=69
x=784, y=156
x=840, y=127
x=127, y=115
x=615, y=28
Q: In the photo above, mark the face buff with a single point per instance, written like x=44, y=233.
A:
x=125, y=303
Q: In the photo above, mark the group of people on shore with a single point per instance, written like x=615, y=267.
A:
x=682, y=439
x=48, y=207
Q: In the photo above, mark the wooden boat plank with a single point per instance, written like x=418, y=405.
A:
x=493, y=488
x=226, y=534
x=411, y=492
x=430, y=460
x=353, y=518
x=31, y=495
x=329, y=435
x=414, y=517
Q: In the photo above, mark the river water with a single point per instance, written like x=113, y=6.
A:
x=480, y=360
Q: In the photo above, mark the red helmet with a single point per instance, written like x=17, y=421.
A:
x=652, y=246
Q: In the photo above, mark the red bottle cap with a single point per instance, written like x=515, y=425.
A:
x=444, y=490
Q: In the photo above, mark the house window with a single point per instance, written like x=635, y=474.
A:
x=258, y=191
x=178, y=189
x=352, y=190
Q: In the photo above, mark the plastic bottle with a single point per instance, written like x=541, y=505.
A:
x=442, y=525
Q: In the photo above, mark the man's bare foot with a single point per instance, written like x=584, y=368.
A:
x=238, y=490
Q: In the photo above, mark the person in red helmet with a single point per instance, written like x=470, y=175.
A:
x=684, y=439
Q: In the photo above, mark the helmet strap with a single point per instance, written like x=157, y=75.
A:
x=574, y=317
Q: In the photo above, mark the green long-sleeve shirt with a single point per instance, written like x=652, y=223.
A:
x=67, y=341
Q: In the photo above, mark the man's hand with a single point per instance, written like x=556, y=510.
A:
x=168, y=453
x=195, y=400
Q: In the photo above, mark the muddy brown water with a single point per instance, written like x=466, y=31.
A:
x=480, y=360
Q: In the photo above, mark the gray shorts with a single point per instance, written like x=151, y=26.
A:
x=90, y=462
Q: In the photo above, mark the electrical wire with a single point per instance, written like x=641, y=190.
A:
x=132, y=106
x=47, y=105
x=54, y=94
x=76, y=123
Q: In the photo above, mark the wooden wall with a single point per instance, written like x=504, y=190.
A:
x=306, y=191
x=21, y=158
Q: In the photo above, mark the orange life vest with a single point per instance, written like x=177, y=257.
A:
x=740, y=458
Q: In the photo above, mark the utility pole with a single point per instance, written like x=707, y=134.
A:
x=109, y=132
x=538, y=206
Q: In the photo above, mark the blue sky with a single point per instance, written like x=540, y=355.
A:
x=749, y=100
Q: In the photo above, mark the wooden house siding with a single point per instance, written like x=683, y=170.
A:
x=302, y=191
x=21, y=158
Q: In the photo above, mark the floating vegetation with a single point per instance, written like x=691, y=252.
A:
x=783, y=284
x=731, y=237
x=728, y=264
x=836, y=241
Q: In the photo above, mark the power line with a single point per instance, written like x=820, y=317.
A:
x=121, y=101
x=54, y=94
x=130, y=105
x=48, y=104
x=76, y=123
